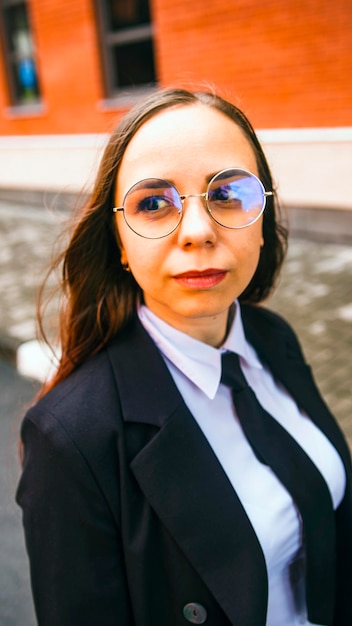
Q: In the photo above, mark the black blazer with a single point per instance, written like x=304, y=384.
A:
x=128, y=515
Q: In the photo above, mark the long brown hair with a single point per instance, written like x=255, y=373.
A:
x=98, y=296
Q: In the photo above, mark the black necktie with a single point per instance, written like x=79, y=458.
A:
x=275, y=447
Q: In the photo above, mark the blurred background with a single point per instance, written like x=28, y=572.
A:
x=69, y=70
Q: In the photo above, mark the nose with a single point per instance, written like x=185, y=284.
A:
x=196, y=227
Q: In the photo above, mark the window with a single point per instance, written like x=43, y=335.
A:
x=18, y=50
x=127, y=44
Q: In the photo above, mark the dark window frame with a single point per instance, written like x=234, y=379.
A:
x=10, y=58
x=109, y=41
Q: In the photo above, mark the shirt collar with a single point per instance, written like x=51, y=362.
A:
x=196, y=360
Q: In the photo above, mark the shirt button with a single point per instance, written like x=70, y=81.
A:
x=194, y=613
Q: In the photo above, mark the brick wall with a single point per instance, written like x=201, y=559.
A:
x=288, y=64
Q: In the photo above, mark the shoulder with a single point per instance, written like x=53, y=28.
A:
x=80, y=409
x=85, y=408
x=264, y=328
x=79, y=427
x=84, y=385
x=70, y=441
x=258, y=314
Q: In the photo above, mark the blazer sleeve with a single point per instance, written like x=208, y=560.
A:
x=72, y=539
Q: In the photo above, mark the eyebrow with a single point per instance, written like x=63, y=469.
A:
x=154, y=181
x=210, y=176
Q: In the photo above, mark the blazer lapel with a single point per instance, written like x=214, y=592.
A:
x=185, y=484
x=187, y=488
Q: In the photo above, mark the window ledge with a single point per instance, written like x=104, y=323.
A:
x=36, y=109
x=126, y=97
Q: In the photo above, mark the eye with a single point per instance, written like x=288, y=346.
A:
x=151, y=204
x=225, y=193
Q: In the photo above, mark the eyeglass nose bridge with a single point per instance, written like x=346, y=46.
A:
x=203, y=195
x=184, y=196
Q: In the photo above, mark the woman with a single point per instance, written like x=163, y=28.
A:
x=144, y=502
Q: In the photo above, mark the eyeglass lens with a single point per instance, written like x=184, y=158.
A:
x=153, y=207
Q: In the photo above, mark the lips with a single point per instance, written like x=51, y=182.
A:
x=201, y=279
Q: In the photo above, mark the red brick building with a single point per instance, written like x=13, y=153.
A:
x=71, y=68
x=289, y=63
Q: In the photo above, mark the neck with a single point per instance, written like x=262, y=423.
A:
x=211, y=330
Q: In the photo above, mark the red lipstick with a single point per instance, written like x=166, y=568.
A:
x=204, y=279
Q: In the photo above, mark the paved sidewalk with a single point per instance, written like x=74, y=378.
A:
x=315, y=295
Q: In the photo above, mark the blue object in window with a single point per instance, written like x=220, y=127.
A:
x=27, y=74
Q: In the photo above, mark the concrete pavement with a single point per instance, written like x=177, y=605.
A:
x=314, y=294
x=16, y=606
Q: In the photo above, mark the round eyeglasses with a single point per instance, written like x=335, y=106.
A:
x=153, y=208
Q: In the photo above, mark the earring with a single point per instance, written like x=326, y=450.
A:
x=125, y=267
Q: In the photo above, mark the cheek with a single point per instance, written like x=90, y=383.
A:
x=252, y=239
x=249, y=250
x=143, y=258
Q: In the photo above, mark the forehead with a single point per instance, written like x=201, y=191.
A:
x=186, y=140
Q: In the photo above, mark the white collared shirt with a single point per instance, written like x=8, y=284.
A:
x=196, y=370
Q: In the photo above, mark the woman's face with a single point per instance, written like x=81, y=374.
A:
x=189, y=278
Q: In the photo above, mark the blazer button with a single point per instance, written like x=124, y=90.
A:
x=195, y=613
